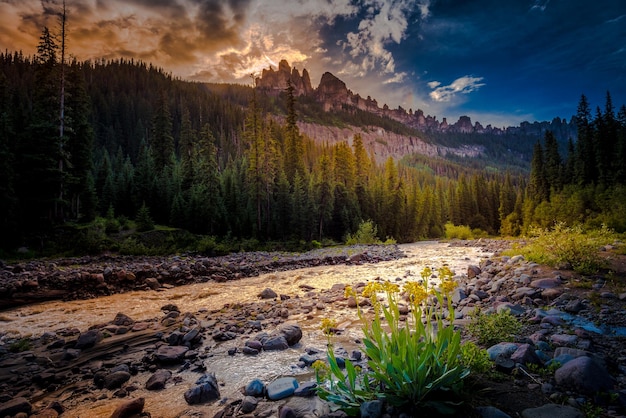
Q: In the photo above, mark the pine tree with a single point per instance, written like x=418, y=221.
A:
x=294, y=149
x=553, y=162
x=324, y=194
x=538, y=188
x=585, y=151
x=162, y=140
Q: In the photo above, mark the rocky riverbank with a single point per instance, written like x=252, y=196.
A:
x=125, y=368
x=89, y=277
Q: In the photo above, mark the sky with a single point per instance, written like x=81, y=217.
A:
x=500, y=62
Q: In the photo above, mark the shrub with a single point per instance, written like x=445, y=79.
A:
x=365, y=234
x=494, y=328
x=410, y=362
x=475, y=358
x=144, y=220
x=563, y=245
x=20, y=346
x=462, y=232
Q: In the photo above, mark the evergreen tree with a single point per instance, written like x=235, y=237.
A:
x=538, y=188
x=324, y=194
x=586, y=159
x=553, y=162
x=294, y=149
x=162, y=139
x=8, y=208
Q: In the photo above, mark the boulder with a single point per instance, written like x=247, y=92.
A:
x=585, y=375
x=281, y=388
x=88, y=339
x=115, y=380
x=268, y=293
x=122, y=320
x=206, y=390
x=292, y=333
x=167, y=354
x=158, y=379
x=552, y=411
x=276, y=342
x=129, y=409
x=255, y=388
x=248, y=404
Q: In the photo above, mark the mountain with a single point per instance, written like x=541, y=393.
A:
x=331, y=113
x=333, y=95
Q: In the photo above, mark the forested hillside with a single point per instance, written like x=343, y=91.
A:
x=129, y=142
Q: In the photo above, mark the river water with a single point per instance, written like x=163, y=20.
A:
x=232, y=372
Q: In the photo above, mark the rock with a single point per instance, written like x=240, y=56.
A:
x=268, y=293
x=170, y=307
x=548, y=283
x=306, y=389
x=281, y=388
x=116, y=379
x=584, y=374
x=292, y=333
x=305, y=408
x=276, y=342
x=206, y=390
x=371, y=409
x=574, y=306
x=167, y=354
x=255, y=388
x=491, y=412
x=502, y=350
x=158, y=379
x=552, y=411
x=88, y=339
x=248, y=404
x=122, y=320
x=152, y=283
x=563, y=339
x=473, y=271
x=129, y=409
x=525, y=354
x=15, y=406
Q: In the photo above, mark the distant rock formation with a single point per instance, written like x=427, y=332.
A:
x=333, y=94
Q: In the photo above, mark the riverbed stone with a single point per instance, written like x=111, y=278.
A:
x=525, y=354
x=584, y=374
x=88, y=339
x=122, y=320
x=268, y=293
x=171, y=354
x=502, y=350
x=129, y=409
x=255, y=388
x=292, y=333
x=275, y=342
x=116, y=379
x=158, y=379
x=206, y=390
x=248, y=404
x=281, y=388
x=552, y=411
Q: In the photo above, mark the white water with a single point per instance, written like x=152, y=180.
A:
x=232, y=372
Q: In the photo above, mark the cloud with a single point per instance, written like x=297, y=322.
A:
x=383, y=23
x=397, y=78
x=462, y=85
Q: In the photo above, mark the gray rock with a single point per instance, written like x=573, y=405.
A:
x=276, y=342
x=371, y=409
x=298, y=407
x=255, y=388
x=491, y=412
x=552, y=411
x=88, y=339
x=585, y=375
x=158, y=379
x=122, y=320
x=116, y=379
x=268, y=294
x=548, y=283
x=206, y=390
x=502, y=350
x=292, y=333
x=525, y=354
x=473, y=271
x=248, y=404
x=281, y=388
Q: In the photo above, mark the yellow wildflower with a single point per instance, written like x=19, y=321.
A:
x=349, y=291
x=371, y=289
x=447, y=286
x=426, y=273
x=416, y=291
x=327, y=325
x=390, y=287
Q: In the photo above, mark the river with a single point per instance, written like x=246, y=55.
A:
x=232, y=372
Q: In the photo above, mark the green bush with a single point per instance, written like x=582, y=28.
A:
x=563, y=245
x=20, y=346
x=494, y=328
x=144, y=220
x=411, y=361
x=365, y=234
x=475, y=358
x=462, y=232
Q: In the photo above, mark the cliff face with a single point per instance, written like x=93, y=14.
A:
x=273, y=82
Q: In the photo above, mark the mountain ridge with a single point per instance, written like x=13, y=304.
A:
x=333, y=94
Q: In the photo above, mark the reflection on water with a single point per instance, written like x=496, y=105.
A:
x=232, y=372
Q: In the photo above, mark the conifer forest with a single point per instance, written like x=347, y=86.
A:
x=96, y=150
